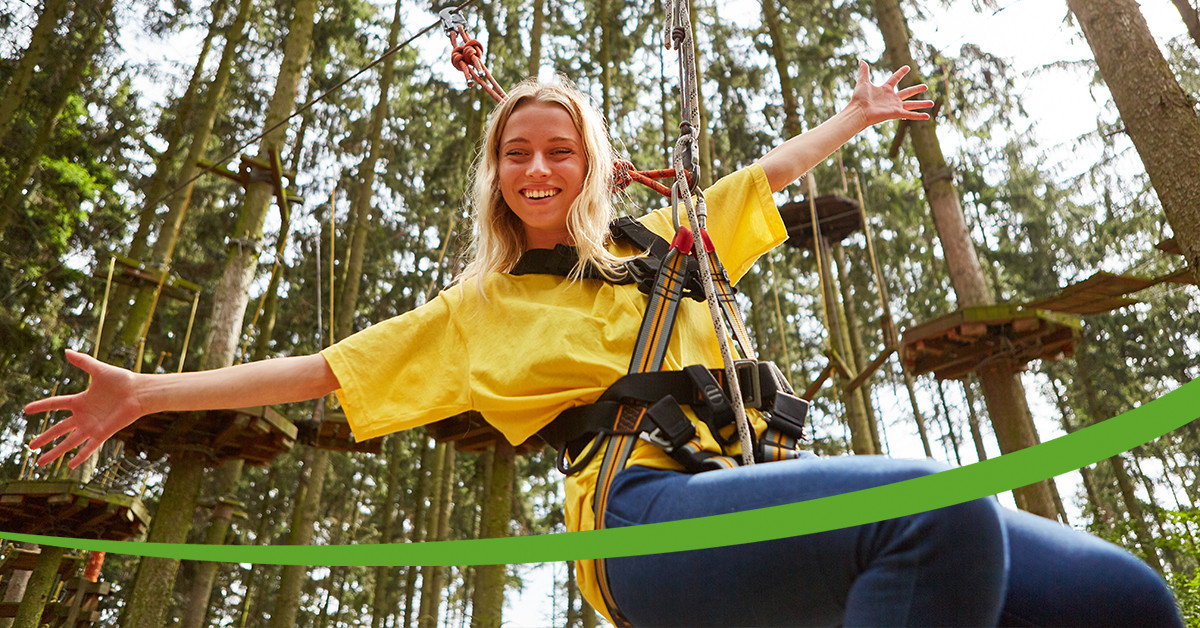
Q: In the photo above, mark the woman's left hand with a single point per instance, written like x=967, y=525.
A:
x=879, y=103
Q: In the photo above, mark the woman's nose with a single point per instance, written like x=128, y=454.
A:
x=538, y=165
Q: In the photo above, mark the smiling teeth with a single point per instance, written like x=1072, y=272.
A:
x=540, y=193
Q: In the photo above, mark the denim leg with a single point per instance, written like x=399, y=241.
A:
x=1062, y=577
x=944, y=567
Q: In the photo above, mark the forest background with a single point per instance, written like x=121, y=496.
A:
x=122, y=98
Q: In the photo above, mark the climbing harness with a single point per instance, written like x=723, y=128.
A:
x=647, y=403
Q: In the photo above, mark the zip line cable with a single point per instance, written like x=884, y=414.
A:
x=226, y=157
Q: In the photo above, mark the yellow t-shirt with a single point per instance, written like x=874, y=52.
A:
x=531, y=346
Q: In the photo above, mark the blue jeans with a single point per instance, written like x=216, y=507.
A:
x=974, y=564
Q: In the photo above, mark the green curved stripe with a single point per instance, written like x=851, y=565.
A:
x=1027, y=466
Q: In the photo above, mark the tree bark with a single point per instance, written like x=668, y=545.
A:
x=420, y=523
x=150, y=596
x=1191, y=18
x=218, y=529
x=439, y=519
x=535, y=38
x=37, y=589
x=791, y=106
x=157, y=184
x=1159, y=116
x=488, y=601
x=1002, y=391
x=233, y=288
x=307, y=503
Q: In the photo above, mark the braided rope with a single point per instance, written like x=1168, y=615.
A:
x=688, y=148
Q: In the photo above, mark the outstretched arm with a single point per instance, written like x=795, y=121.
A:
x=870, y=105
x=117, y=397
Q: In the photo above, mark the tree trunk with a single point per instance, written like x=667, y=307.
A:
x=361, y=206
x=163, y=177
x=177, y=205
x=43, y=34
x=37, y=590
x=854, y=342
x=1002, y=391
x=535, y=38
x=420, y=522
x=1191, y=18
x=439, y=519
x=225, y=322
x=1159, y=116
x=384, y=576
x=488, y=601
x=791, y=106
x=218, y=529
x=973, y=421
x=1137, y=519
x=307, y=503
x=150, y=596
x=919, y=418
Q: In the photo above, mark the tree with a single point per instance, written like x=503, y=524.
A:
x=1003, y=392
x=1159, y=116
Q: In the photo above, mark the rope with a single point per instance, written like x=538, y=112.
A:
x=687, y=161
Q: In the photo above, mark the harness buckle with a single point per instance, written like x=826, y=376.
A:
x=749, y=382
x=672, y=429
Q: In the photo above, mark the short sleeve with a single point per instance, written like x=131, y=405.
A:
x=743, y=221
x=404, y=372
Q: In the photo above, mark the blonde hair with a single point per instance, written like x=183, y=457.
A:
x=499, y=235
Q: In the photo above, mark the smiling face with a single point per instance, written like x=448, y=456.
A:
x=542, y=167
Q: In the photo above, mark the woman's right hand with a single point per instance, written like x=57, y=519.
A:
x=109, y=404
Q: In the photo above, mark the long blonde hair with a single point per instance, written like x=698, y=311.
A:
x=499, y=236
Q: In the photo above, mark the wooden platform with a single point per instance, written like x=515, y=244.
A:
x=333, y=433
x=255, y=435
x=66, y=508
x=837, y=216
x=469, y=432
x=1102, y=292
x=955, y=345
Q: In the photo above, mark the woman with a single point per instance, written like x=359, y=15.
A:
x=522, y=347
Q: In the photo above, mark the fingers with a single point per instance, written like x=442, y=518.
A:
x=68, y=443
x=897, y=76
x=864, y=72
x=909, y=92
x=56, y=430
x=82, y=360
x=49, y=404
x=85, y=452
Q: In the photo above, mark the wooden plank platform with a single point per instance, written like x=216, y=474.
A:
x=837, y=216
x=66, y=508
x=471, y=433
x=1102, y=292
x=255, y=435
x=955, y=345
x=333, y=433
